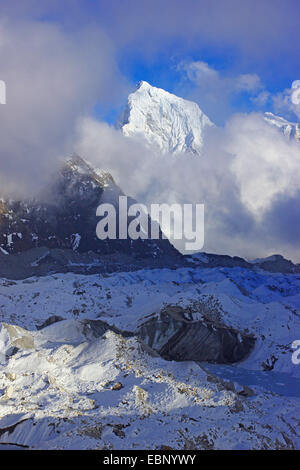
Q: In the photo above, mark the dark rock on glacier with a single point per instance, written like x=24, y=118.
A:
x=50, y=321
x=178, y=338
x=174, y=337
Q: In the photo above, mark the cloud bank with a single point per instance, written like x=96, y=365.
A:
x=56, y=71
x=248, y=179
x=51, y=78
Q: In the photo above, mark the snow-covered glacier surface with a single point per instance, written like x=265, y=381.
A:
x=89, y=381
x=163, y=120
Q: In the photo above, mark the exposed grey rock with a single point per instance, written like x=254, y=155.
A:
x=175, y=337
x=50, y=321
x=64, y=216
x=117, y=386
x=9, y=423
x=278, y=264
x=43, y=261
x=274, y=263
x=246, y=391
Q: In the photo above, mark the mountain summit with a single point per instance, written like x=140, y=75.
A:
x=289, y=129
x=64, y=216
x=175, y=125
x=164, y=120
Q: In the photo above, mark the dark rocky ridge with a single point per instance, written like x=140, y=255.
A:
x=57, y=233
x=64, y=217
x=275, y=263
x=278, y=263
x=42, y=261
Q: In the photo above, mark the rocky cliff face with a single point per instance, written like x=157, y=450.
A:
x=176, y=337
x=64, y=216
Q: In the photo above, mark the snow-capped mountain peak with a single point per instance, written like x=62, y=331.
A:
x=164, y=120
x=289, y=129
x=79, y=167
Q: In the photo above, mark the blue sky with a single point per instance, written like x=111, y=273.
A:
x=150, y=40
x=161, y=71
x=249, y=37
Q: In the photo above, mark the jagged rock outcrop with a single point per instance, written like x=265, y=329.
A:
x=175, y=337
x=64, y=217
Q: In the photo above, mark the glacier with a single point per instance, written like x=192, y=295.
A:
x=85, y=379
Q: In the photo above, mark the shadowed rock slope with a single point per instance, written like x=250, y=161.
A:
x=64, y=217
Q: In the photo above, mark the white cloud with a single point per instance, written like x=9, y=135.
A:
x=214, y=91
x=249, y=82
x=288, y=101
x=262, y=98
x=51, y=77
x=266, y=163
x=200, y=72
x=248, y=179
